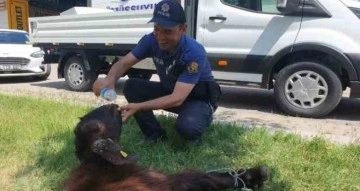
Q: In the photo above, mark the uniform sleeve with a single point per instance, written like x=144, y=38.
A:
x=143, y=48
x=195, y=60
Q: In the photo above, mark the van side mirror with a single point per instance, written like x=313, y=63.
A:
x=289, y=6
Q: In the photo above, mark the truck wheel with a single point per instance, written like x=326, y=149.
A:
x=145, y=75
x=307, y=89
x=76, y=76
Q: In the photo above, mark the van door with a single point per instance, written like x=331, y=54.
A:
x=244, y=33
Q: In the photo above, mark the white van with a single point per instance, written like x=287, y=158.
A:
x=307, y=50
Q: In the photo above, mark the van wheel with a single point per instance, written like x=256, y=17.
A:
x=307, y=89
x=76, y=76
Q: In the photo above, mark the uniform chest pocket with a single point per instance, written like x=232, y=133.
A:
x=175, y=68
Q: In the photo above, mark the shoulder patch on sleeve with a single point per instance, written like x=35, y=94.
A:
x=193, y=68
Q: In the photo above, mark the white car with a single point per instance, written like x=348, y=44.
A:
x=19, y=58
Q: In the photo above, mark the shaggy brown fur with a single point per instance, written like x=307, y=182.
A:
x=102, y=168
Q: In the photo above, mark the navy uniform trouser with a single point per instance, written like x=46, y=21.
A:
x=194, y=116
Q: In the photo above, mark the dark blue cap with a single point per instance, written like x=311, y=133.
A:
x=168, y=14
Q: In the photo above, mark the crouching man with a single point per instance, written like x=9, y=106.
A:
x=186, y=86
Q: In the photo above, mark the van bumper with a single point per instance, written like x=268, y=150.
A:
x=355, y=89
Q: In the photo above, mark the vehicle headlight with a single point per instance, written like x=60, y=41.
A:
x=356, y=11
x=38, y=54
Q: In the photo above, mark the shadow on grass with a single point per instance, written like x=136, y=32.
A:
x=54, y=154
x=53, y=158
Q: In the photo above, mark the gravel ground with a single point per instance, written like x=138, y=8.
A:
x=243, y=106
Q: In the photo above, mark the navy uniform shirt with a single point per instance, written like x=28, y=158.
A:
x=189, y=55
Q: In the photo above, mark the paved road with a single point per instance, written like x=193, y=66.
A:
x=248, y=107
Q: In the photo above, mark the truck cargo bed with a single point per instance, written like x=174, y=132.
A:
x=109, y=28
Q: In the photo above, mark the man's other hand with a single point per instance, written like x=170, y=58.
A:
x=129, y=110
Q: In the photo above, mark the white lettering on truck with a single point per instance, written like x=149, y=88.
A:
x=133, y=7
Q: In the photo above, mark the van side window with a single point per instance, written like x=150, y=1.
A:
x=265, y=6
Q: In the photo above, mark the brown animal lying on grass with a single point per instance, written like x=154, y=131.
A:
x=105, y=168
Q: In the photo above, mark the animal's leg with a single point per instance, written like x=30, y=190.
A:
x=245, y=177
x=212, y=181
x=197, y=181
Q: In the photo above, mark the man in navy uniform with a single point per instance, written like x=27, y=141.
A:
x=186, y=86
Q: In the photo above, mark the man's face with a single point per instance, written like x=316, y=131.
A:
x=168, y=39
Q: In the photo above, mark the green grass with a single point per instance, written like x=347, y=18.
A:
x=36, y=150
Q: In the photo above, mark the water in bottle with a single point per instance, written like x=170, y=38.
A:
x=107, y=96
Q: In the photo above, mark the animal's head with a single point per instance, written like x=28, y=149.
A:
x=97, y=136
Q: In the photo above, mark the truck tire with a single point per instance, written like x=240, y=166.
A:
x=307, y=89
x=140, y=74
x=77, y=77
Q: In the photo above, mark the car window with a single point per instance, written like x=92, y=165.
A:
x=265, y=6
x=9, y=37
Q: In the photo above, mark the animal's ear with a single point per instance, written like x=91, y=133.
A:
x=108, y=150
x=111, y=151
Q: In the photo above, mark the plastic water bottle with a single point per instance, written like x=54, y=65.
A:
x=107, y=96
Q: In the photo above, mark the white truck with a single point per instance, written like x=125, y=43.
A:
x=308, y=51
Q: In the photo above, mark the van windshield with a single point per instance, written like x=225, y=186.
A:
x=10, y=37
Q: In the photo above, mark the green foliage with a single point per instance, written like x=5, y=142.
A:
x=37, y=151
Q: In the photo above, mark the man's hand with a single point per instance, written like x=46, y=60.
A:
x=101, y=83
x=116, y=71
x=129, y=110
